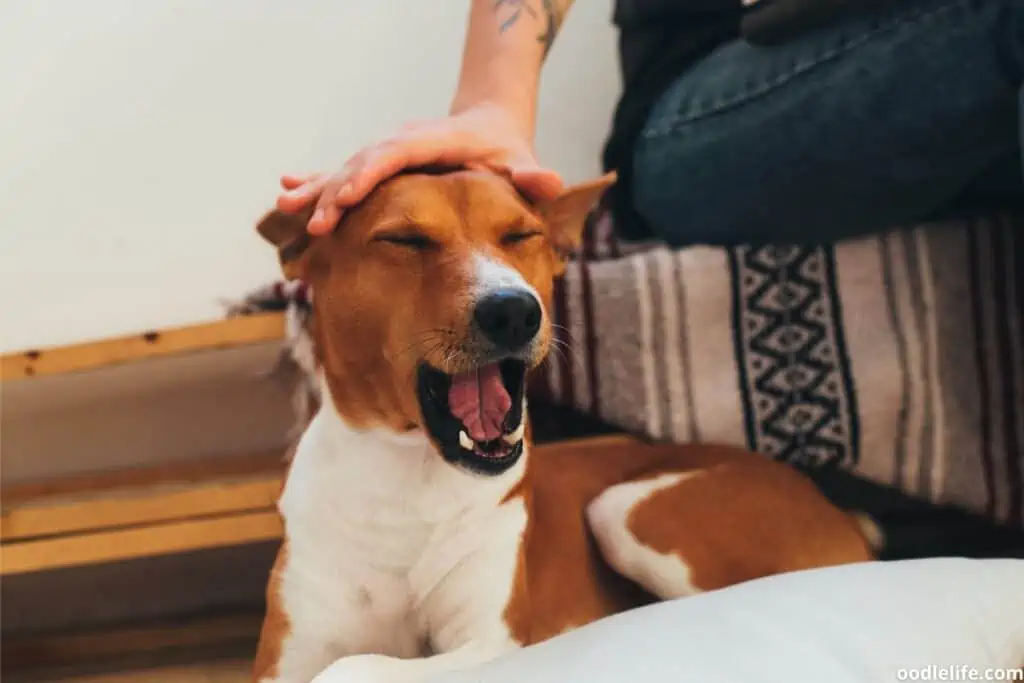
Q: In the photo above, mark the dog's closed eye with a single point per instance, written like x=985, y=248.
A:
x=519, y=236
x=410, y=240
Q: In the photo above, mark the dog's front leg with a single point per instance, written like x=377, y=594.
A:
x=383, y=669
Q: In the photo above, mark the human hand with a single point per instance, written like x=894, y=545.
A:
x=483, y=136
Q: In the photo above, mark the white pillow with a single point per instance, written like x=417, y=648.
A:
x=935, y=619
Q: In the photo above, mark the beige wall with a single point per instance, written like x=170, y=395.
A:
x=141, y=139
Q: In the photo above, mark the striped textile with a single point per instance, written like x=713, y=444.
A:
x=898, y=357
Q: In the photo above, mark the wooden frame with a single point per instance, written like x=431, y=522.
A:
x=253, y=329
x=167, y=510
x=177, y=639
x=91, y=520
x=132, y=514
x=64, y=522
x=114, y=516
x=128, y=498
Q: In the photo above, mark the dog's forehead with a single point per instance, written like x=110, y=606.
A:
x=451, y=200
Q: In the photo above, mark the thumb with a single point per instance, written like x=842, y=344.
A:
x=540, y=184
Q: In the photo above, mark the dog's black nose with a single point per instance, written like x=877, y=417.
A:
x=509, y=318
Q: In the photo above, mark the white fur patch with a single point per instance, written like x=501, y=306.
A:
x=391, y=550
x=490, y=275
x=665, y=575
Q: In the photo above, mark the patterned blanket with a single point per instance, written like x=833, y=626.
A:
x=899, y=357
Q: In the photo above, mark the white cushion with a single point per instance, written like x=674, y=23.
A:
x=866, y=623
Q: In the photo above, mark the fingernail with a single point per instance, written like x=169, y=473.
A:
x=345, y=190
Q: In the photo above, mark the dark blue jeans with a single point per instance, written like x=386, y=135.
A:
x=852, y=129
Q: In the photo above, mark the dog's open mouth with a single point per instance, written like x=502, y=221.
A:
x=477, y=416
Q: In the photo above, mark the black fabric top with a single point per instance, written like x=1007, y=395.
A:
x=630, y=13
x=658, y=40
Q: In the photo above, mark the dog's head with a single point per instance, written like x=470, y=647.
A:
x=431, y=303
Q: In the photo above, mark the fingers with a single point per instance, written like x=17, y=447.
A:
x=290, y=182
x=481, y=140
x=370, y=168
x=300, y=192
x=327, y=212
x=538, y=184
x=336, y=192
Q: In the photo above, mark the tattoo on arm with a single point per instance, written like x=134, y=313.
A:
x=554, y=13
x=510, y=11
x=551, y=14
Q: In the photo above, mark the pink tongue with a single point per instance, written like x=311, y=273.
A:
x=479, y=400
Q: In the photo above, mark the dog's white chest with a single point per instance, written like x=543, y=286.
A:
x=389, y=548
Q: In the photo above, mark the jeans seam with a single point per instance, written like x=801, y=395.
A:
x=677, y=122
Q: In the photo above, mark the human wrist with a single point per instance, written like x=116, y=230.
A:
x=516, y=105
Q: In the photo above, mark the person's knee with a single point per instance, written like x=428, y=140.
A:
x=788, y=146
x=677, y=208
x=1010, y=38
x=702, y=185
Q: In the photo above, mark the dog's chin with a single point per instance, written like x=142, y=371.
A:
x=491, y=457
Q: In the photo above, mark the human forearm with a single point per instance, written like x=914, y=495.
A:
x=506, y=44
x=491, y=123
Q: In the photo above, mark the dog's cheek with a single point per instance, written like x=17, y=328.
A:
x=543, y=348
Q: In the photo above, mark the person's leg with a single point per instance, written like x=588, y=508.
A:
x=866, y=125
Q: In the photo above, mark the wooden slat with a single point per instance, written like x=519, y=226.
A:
x=204, y=471
x=231, y=671
x=96, y=483
x=141, y=506
x=102, y=645
x=89, y=522
x=254, y=329
x=146, y=541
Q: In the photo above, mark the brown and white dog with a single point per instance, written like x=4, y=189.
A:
x=421, y=534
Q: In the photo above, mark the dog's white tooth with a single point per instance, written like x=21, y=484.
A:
x=516, y=436
x=465, y=441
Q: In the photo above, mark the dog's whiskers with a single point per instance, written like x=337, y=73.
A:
x=567, y=333
x=560, y=352
x=435, y=337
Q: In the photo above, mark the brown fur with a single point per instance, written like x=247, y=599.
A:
x=758, y=532
x=744, y=517
x=381, y=308
x=275, y=623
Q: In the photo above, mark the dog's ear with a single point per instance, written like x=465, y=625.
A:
x=566, y=215
x=287, y=232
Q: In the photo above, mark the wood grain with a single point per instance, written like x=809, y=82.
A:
x=157, y=641
x=146, y=541
x=50, y=491
x=254, y=329
x=155, y=512
x=218, y=672
x=141, y=506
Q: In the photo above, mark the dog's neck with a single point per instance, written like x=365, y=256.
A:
x=386, y=462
